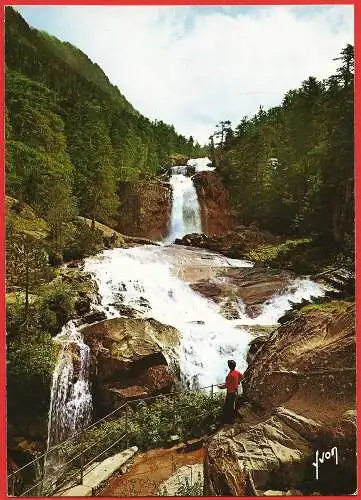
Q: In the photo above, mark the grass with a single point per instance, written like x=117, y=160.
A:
x=267, y=253
x=333, y=307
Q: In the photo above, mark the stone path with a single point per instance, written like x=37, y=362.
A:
x=149, y=470
x=97, y=473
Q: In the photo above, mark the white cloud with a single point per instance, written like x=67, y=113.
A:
x=194, y=66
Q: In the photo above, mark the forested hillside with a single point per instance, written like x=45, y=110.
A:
x=291, y=168
x=72, y=137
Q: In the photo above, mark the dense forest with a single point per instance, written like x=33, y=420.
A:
x=291, y=169
x=72, y=140
x=71, y=136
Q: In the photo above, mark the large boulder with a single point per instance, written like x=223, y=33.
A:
x=301, y=391
x=308, y=363
x=234, y=243
x=132, y=358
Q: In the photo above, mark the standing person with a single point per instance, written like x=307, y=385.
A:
x=232, y=382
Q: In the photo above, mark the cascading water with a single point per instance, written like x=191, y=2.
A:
x=70, y=400
x=146, y=279
x=186, y=212
x=185, y=215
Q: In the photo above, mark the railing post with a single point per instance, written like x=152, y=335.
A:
x=173, y=419
x=13, y=479
x=126, y=425
x=81, y=457
x=212, y=391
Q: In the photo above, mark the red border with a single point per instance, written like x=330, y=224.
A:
x=357, y=6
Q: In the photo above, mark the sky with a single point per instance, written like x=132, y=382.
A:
x=192, y=66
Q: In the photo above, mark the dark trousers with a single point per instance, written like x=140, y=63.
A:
x=229, y=408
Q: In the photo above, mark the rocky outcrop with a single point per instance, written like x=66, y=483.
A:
x=214, y=202
x=308, y=362
x=235, y=243
x=254, y=286
x=131, y=358
x=145, y=209
x=301, y=388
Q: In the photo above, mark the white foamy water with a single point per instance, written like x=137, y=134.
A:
x=276, y=307
x=145, y=279
x=201, y=164
x=71, y=400
x=146, y=282
x=185, y=215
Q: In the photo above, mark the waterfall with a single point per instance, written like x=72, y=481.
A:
x=70, y=399
x=185, y=215
x=186, y=212
x=146, y=279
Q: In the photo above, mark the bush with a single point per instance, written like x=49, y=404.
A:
x=186, y=489
x=48, y=311
x=30, y=366
x=267, y=254
x=58, y=303
x=83, y=242
x=188, y=415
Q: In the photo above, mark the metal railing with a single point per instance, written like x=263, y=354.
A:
x=66, y=463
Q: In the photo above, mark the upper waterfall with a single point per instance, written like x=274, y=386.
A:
x=186, y=212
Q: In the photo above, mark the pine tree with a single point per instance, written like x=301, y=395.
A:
x=26, y=264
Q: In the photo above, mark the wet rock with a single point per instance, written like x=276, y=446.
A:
x=82, y=305
x=214, y=202
x=254, y=346
x=243, y=290
x=126, y=311
x=158, y=378
x=129, y=352
x=277, y=444
x=300, y=356
x=234, y=243
x=94, y=316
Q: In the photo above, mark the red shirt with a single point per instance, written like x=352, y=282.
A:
x=233, y=380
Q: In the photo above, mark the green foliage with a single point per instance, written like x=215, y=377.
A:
x=26, y=264
x=291, y=168
x=83, y=241
x=48, y=310
x=23, y=219
x=190, y=414
x=265, y=254
x=334, y=307
x=27, y=358
x=59, y=298
x=71, y=135
x=186, y=488
x=30, y=365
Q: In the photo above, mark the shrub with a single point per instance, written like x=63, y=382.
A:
x=58, y=303
x=30, y=366
x=186, y=488
x=189, y=414
x=83, y=242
